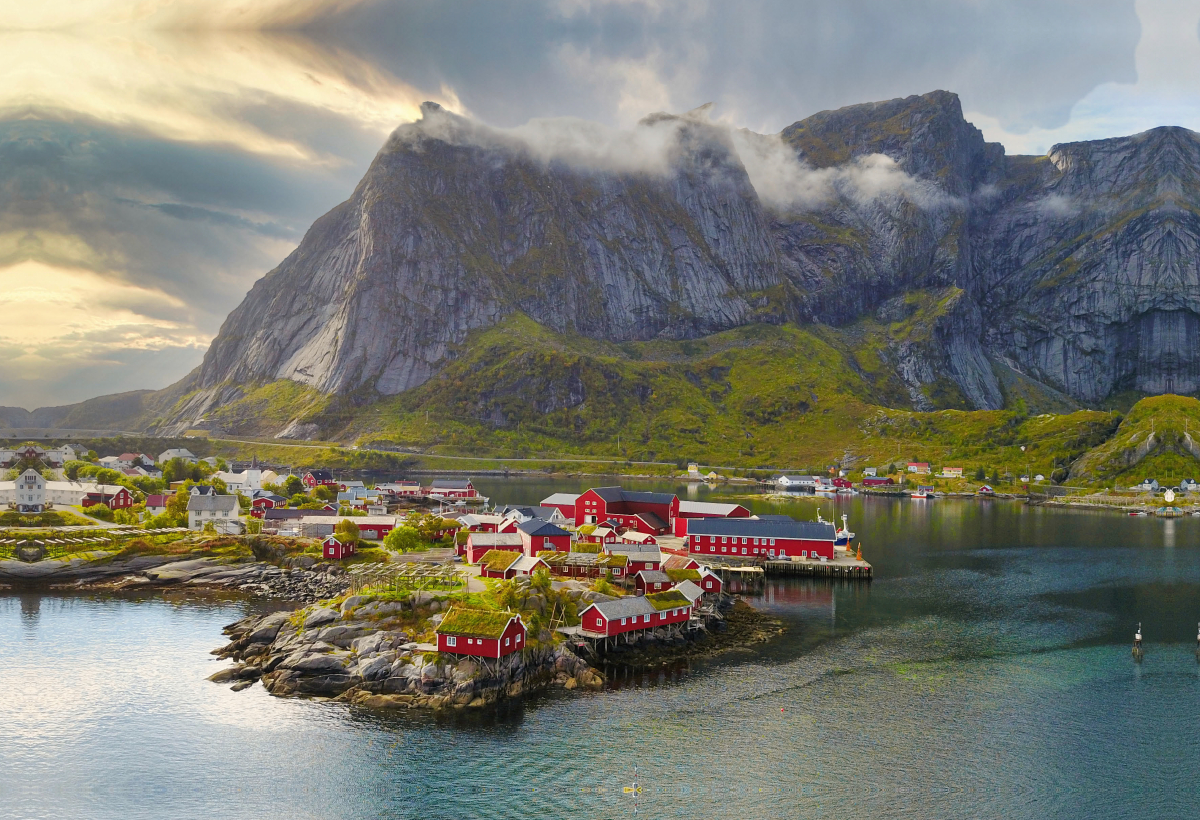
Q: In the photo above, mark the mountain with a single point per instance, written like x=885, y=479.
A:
x=936, y=271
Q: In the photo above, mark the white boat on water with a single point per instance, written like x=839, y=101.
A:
x=923, y=492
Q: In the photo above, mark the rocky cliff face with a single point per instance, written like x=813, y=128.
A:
x=1077, y=269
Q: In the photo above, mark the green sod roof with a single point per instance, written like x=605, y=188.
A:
x=671, y=599
x=679, y=575
x=474, y=623
x=498, y=560
x=583, y=546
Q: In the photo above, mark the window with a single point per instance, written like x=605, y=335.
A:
x=519, y=637
x=723, y=540
x=451, y=640
x=506, y=641
x=803, y=553
x=622, y=622
x=647, y=619
x=772, y=542
x=470, y=641
x=712, y=539
x=724, y=550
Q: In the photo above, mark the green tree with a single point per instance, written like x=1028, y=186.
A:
x=980, y=474
x=403, y=539
x=99, y=512
x=346, y=530
x=325, y=492
x=540, y=580
x=292, y=486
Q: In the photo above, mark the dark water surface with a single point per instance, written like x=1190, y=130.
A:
x=986, y=672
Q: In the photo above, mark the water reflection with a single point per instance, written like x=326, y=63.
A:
x=985, y=672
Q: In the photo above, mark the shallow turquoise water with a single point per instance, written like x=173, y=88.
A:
x=985, y=672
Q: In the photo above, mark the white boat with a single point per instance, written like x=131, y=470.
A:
x=844, y=535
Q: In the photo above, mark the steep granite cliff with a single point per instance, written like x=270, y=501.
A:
x=1072, y=276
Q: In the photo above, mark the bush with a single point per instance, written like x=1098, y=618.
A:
x=99, y=512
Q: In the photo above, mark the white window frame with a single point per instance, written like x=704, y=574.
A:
x=450, y=640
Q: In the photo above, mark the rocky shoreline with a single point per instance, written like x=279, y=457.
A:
x=364, y=653
x=101, y=572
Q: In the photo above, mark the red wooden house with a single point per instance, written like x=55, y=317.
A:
x=479, y=543
x=761, y=539
x=680, y=562
x=113, y=499
x=639, y=559
x=481, y=633
x=498, y=564
x=537, y=535
x=563, y=502
x=453, y=488
x=689, y=510
x=710, y=582
x=645, y=512
x=611, y=618
x=649, y=580
x=635, y=537
x=335, y=549
x=315, y=478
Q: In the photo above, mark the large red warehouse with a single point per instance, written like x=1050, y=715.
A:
x=644, y=512
x=755, y=538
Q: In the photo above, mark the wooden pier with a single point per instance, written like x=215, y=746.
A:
x=838, y=568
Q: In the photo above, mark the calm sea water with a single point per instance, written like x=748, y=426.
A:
x=986, y=672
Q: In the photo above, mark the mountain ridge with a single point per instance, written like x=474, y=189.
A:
x=1070, y=275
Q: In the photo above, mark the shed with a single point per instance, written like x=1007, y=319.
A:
x=335, y=549
x=482, y=633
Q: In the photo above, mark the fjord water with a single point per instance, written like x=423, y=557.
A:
x=986, y=672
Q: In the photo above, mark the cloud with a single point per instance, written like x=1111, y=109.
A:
x=1056, y=206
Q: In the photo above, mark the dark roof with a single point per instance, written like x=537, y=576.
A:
x=610, y=494
x=201, y=489
x=653, y=520
x=648, y=498
x=321, y=475
x=653, y=576
x=451, y=484
x=536, y=526
x=751, y=528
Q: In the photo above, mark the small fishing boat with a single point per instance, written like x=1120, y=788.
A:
x=923, y=492
x=843, y=536
x=1137, y=642
x=1138, y=512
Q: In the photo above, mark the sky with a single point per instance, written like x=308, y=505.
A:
x=159, y=156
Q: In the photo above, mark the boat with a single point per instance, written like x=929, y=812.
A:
x=1137, y=642
x=843, y=536
x=1138, y=512
x=923, y=492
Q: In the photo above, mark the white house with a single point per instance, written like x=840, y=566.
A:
x=796, y=482
x=1148, y=485
x=243, y=482
x=176, y=452
x=870, y=471
x=31, y=493
x=112, y=462
x=219, y=510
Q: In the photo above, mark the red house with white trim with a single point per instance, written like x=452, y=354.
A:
x=609, y=619
x=710, y=582
x=563, y=502
x=649, y=580
x=645, y=512
x=116, y=500
x=335, y=550
x=761, y=539
x=537, y=535
x=315, y=478
x=481, y=633
x=452, y=488
x=639, y=559
x=479, y=543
